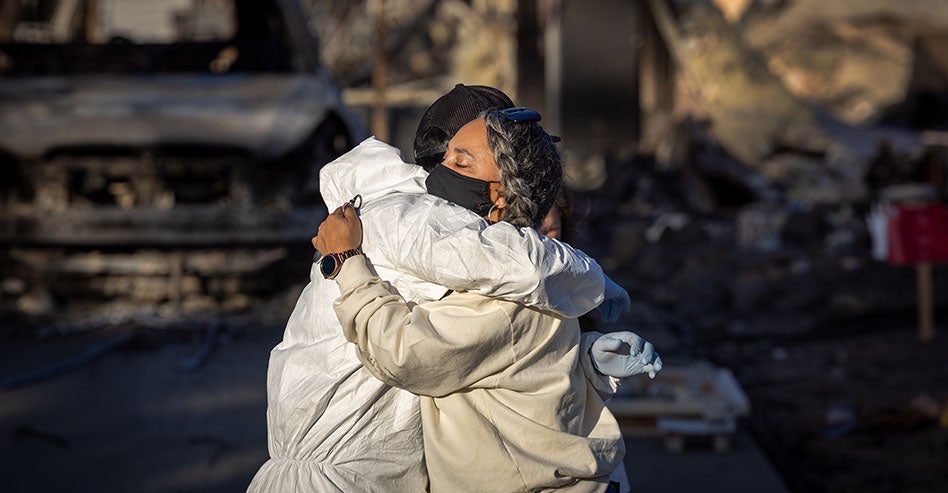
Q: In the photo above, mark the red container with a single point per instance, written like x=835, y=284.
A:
x=918, y=233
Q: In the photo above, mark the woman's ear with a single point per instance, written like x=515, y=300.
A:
x=496, y=195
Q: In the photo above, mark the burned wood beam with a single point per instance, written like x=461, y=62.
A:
x=656, y=72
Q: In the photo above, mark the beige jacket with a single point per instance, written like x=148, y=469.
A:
x=505, y=405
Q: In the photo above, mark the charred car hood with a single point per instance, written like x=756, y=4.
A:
x=266, y=115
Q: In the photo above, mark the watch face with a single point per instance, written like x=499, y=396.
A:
x=328, y=265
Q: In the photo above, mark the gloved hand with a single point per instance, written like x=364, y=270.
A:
x=615, y=301
x=623, y=354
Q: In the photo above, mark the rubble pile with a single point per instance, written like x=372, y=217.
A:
x=715, y=250
x=748, y=216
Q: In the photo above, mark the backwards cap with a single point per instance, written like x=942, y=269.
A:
x=447, y=115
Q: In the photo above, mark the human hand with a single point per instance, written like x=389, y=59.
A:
x=341, y=231
x=623, y=354
x=615, y=301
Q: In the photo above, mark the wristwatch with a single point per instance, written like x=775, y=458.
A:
x=331, y=263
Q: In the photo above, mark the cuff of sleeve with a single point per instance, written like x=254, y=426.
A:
x=355, y=271
x=604, y=384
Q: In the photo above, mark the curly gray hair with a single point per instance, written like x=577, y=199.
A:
x=530, y=167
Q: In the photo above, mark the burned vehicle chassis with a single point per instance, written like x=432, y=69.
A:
x=131, y=185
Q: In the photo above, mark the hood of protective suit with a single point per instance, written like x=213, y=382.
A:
x=374, y=169
x=385, y=174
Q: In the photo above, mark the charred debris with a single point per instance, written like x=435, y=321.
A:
x=741, y=212
x=159, y=164
x=766, y=131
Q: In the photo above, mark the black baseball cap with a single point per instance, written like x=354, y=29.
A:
x=447, y=115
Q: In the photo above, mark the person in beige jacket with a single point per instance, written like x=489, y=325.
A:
x=505, y=405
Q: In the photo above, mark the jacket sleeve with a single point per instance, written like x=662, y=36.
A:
x=605, y=385
x=451, y=246
x=431, y=352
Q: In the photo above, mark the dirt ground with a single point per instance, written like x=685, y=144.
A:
x=142, y=417
x=864, y=410
x=855, y=412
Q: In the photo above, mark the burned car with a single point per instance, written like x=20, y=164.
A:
x=160, y=156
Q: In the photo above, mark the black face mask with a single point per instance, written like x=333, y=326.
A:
x=463, y=190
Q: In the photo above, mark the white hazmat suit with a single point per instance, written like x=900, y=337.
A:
x=332, y=426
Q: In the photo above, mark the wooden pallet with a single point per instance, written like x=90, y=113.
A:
x=683, y=404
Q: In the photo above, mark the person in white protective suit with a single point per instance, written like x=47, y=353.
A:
x=505, y=404
x=332, y=426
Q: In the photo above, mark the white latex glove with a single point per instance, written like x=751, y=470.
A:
x=623, y=354
x=615, y=301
